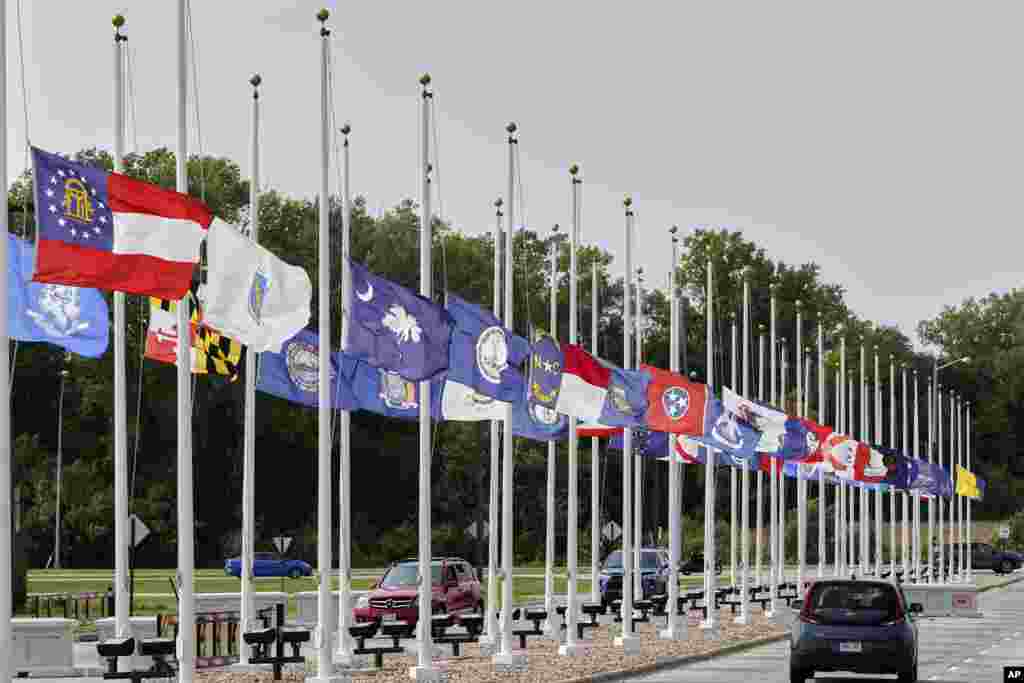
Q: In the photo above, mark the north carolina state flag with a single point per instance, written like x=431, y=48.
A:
x=674, y=403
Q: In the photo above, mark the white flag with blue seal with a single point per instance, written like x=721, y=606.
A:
x=250, y=294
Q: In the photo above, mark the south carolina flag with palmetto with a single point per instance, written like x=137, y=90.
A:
x=674, y=403
x=109, y=231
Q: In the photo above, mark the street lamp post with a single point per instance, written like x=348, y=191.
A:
x=60, y=468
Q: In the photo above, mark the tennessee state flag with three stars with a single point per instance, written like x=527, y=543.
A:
x=674, y=403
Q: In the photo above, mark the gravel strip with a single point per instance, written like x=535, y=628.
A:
x=544, y=663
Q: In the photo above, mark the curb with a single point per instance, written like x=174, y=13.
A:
x=1001, y=585
x=673, y=662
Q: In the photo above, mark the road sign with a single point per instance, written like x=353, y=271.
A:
x=1004, y=532
x=282, y=543
x=611, y=531
x=138, y=530
x=471, y=530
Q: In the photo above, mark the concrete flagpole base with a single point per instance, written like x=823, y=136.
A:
x=629, y=644
x=710, y=631
x=331, y=678
x=742, y=619
x=427, y=674
x=677, y=631
x=513, y=662
x=574, y=650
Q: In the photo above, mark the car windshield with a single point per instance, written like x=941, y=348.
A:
x=648, y=560
x=614, y=560
x=405, y=575
x=854, y=603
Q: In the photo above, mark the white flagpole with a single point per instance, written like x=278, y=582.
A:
x=822, y=494
x=6, y=540
x=837, y=504
x=506, y=658
x=734, y=378
x=628, y=641
x=122, y=621
x=801, y=483
x=910, y=539
x=676, y=628
x=744, y=616
x=186, y=523
x=892, y=493
x=915, y=530
x=595, y=461
x=940, y=511
x=710, y=624
x=570, y=648
x=781, y=533
x=760, y=475
x=963, y=499
x=864, y=519
x=844, y=491
x=967, y=453
x=489, y=639
x=325, y=612
x=638, y=479
x=773, y=485
x=954, y=430
x=248, y=611
x=343, y=655
x=425, y=669
x=929, y=562
x=877, y=400
x=550, y=623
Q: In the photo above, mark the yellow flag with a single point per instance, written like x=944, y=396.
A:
x=966, y=483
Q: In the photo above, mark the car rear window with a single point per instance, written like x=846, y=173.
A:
x=405, y=575
x=854, y=603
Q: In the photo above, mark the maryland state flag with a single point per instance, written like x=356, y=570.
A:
x=211, y=351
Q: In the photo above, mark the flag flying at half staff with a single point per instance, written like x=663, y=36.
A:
x=109, y=231
x=292, y=374
x=212, y=352
x=392, y=328
x=252, y=295
x=70, y=317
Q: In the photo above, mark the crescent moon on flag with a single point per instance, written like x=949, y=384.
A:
x=368, y=294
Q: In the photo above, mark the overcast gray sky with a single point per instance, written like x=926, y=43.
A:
x=881, y=140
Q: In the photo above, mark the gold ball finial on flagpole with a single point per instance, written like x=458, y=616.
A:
x=323, y=15
x=118, y=21
x=346, y=128
x=425, y=80
x=256, y=80
x=627, y=202
x=574, y=169
x=511, y=128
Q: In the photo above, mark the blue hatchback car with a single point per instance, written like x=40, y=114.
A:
x=856, y=625
x=269, y=564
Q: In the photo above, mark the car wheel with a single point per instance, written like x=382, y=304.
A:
x=1006, y=566
x=294, y=573
x=799, y=675
x=908, y=676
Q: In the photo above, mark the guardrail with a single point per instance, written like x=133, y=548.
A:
x=80, y=606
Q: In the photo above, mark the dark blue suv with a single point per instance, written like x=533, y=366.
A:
x=654, y=565
x=856, y=625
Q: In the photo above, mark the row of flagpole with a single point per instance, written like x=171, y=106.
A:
x=959, y=426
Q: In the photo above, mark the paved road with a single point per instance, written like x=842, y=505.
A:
x=952, y=650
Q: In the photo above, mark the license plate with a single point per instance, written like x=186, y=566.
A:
x=851, y=646
x=391, y=616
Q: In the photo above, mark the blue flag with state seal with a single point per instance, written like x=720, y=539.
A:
x=392, y=328
x=74, y=318
x=294, y=373
x=484, y=355
x=534, y=416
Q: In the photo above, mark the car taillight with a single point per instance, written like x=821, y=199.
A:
x=897, y=618
x=806, y=613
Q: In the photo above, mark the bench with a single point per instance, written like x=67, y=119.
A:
x=392, y=629
x=660, y=603
x=560, y=611
x=261, y=639
x=591, y=609
x=536, y=616
x=473, y=623
x=644, y=606
x=158, y=648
